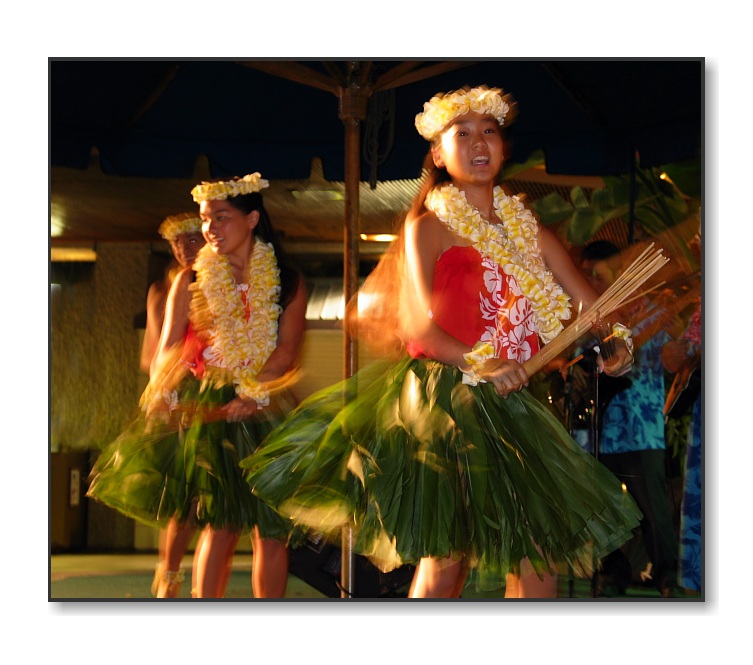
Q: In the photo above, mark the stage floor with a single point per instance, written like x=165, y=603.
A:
x=129, y=577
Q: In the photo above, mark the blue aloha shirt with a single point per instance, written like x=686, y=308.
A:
x=633, y=419
x=691, y=516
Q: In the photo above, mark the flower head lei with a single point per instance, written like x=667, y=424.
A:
x=241, y=341
x=248, y=184
x=513, y=246
x=175, y=225
x=442, y=109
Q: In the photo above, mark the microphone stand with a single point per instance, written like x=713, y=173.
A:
x=588, y=358
x=606, y=348
x=595, y=450
x=567, y=408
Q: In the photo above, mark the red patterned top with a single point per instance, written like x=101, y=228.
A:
x=473, y=300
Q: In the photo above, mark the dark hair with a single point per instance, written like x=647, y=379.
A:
x=289, y=276
x=433, y=177
x=599, y=250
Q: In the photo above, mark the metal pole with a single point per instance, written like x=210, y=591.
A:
x=353, y=101
x=351, y=234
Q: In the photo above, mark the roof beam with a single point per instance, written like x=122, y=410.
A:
x=407, y=73
x=295, y=72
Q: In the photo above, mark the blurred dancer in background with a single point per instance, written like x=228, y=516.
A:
x=183, y=233
x=230, y=342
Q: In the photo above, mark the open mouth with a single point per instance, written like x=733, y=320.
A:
x=480, y=161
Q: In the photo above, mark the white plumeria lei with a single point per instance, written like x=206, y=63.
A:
x=243, y=345
x=513, y=246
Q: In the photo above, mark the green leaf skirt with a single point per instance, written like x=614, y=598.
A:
x=420, y=464
x=189, y=468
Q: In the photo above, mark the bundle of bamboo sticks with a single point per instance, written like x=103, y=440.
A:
x=648, y=262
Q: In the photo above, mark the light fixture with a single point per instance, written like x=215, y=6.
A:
x=378, y=237
x=73, y=254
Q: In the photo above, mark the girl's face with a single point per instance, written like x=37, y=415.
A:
x=224, y=227
x=471, y=149
x=185, y=246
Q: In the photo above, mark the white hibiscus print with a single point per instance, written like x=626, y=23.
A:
x=213, y=356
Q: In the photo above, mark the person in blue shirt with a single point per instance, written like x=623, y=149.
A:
x=631, y=440
x=684, y=357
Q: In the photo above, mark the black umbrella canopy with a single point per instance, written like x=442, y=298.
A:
x=153, y=118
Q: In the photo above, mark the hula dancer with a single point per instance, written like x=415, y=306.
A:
x=439, y=457
x=231, y=337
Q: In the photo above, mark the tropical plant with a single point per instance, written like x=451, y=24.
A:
x=658, y=199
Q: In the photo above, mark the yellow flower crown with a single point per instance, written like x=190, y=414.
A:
x=210, y=191
x=184, y=222
x=443, y=108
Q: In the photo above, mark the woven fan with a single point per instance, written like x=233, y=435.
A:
x=618, y=294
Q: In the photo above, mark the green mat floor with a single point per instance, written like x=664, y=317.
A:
x=129, y=577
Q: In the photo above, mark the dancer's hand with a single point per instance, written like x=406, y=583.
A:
x=620, y=361
x=240, y=409
x=507, y=376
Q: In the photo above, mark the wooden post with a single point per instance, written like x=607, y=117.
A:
x=353, y=103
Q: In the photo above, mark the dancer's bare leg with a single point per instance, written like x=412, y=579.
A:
x=438, y=578
x=177, y=538
x=512, y=589
x=526, y=583
x=213, y=561
x=460, y=582
x=269, y=577
x=160, y=567
x=195, y=566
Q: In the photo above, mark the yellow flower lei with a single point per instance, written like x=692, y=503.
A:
x=217, y=308
x=248, y=184
x=513, y=246
x=175, y=225
x=441, y=109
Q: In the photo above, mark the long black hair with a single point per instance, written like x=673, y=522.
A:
x=290, y=277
